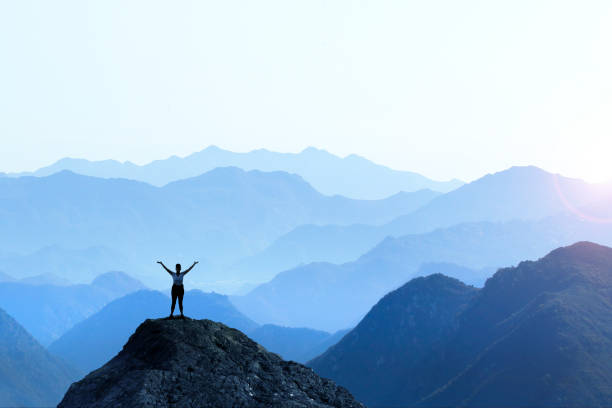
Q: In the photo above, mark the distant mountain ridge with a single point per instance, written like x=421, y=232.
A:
x=538, y=334
x=216, y=217
x=352, y=176
x=518, y=193
x=48, y=311
x=330, y=297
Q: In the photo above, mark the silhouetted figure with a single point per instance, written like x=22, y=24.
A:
x=177, y=286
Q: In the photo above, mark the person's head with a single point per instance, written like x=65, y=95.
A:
x=178, y=268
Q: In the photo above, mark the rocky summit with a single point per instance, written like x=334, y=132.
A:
x=200, y=363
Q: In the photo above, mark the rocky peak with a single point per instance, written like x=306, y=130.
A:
x=187, y=363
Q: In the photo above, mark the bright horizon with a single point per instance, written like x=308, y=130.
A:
x=443, y=89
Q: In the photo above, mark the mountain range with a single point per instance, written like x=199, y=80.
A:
x=47, y=311
x=538, y=334
x=218, y=217
x=331, y=297
x=352, y=176
x=518, y=193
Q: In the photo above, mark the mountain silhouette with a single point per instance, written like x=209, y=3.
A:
x=29, y=375
x=538, y=334
x=330, y=297
x=48, y=311
x=352, y=176
x=518, y=193
x=218, y=217
x=187, y=363
x=68, y=265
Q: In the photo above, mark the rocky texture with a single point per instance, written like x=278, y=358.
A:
x=199, y=363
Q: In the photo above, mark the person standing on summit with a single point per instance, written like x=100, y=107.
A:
x=177, y=286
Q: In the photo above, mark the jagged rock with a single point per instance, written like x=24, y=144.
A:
x=200, y=363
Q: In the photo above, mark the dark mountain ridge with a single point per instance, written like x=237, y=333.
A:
x=538, y=334
x=187, y=363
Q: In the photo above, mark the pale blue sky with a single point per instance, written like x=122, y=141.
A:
x=446, y=88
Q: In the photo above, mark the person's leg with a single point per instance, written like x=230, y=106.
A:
x=180, y=299
x=173, y=301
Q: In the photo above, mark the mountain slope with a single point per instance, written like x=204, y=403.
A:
x=352, y=176
x=47, y=311
x=97, y=339
x=29, y=375
x=395, y=337
x=538, y=334
x=518, y=193
x=189, y=363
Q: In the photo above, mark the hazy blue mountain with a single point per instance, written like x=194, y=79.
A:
x=117, y=284
x=94, y=341
x=352, y=176
x=522, y=193
x=519, y=193
x=218, y=217
x=394, y=339
x=539, y=334
x=29, y=375
x=329, y=297
x=306, y=244
x=291, y=343
x=47, y=311
x=64, y=265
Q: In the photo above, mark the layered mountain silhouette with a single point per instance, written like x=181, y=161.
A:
x=352, y=176
x=539, y=334
x=67, y=265
x=47, y=311
x=352, y=288
x=29, y=375
x=519, y=193
x=187, y=363
x=219, y=216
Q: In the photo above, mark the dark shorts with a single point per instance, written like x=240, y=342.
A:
x=178, y=290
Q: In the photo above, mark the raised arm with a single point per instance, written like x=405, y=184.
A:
x=164, y=266
x=191, y=267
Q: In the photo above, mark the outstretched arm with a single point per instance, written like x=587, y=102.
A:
x=164, y=266
x=191, y=267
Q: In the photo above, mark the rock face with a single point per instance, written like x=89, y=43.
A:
x=200, y=363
